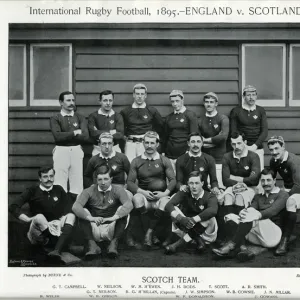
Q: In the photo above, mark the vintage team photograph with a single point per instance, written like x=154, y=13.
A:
x=154, y=145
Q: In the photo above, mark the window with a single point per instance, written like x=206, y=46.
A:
x=264, y=66
x=17, y=75
x=50, y=72
x=294, y=76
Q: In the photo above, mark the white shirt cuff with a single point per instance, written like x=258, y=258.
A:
x=197, y=219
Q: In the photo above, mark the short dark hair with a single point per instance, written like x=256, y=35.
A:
x=104, y=93
x=194, y=134
x=104, y=169
x=45, y=169
x=267, y=171
x=195, y=174
x=236, y=134
x=61, y=97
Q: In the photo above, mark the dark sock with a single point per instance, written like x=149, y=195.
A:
x=120, y=227
x=196, y=231
x=290, y=222
x=154, y=220
x=144, y=219
x=223, y=211
x=242, y=230
x=230, y=229
x=64, y=237
x=86, y=228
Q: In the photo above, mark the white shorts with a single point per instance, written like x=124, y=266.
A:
x=247, y=196
x=39, y=224
x=264, y=233
x=296, y=197
x=134, y=149
x=150, y=204
x=208, y=237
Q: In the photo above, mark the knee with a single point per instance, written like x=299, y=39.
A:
x=291, y=204
x=40, y=219
x=138, y=200
x=228, y=199
x=163, y=202
x=70, y=219
x=130, y=195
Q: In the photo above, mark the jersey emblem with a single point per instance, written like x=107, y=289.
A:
x=75, y=124
x=285, y=171
x=246, y=168
x=157, y=166
x=110, y=201
x=111, y=121
x=255, y=117
x=201, y=207
x=114, y=167
x=216, y=125
x=181, y=120
x=271, y=201
x=55, y=198
x=201, y=169
x=145, y=117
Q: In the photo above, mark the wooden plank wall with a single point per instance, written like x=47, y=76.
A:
x=194, y=68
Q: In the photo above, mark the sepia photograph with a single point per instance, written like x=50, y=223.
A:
x=154, y=145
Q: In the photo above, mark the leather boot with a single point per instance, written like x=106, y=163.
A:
x=282, y=248
x=131, y=242
x=201, y=246
x=55, y=255
x=227, y=251
x=93, y=250
x=245, y=254
x=155, y=240
x=167, y=241
x=171, y=249
x=148, y=238
x=112, y=250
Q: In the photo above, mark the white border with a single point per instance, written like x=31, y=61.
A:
x=292, y=102
x=47, y=102
x=21, y=102
x=262, y=102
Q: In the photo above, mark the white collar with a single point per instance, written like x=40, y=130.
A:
x=212, y=115
x=134, y=105
x=247, y=107
x=111, y=113
x=244, y=154
x=156, y=156
x=44, y=189
x=109, y=189
x=65, y=114
x=275, y=190
x=200, y=196
x=181, y=111
x=285, y=157
x=113, y=153
x=193, y=155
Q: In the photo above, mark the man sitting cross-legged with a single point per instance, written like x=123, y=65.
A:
x=195, y=219
x=52, y=220
x=103, y=211
x=256, y=223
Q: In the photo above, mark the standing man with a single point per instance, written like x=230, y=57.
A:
x=52, y=218
x=103, y=209
x=251, y=120
x=287, y=165
x=69, y=130
x=138, y=119
x=214, y=129
x=196, y=160
x=178, y=125
x=147, y=168
x=240, y=174
x=195, y=220
x=116, y=161
x=105, y=119
x=257, y=223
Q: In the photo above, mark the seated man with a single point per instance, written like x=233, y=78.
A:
x=196, y=160
x=147, y=168
x=256, y=223
x=51, y=211
x=117, y=162
x=287, y=165
x=195, y=219
x=240, y=175
x=103, y=211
